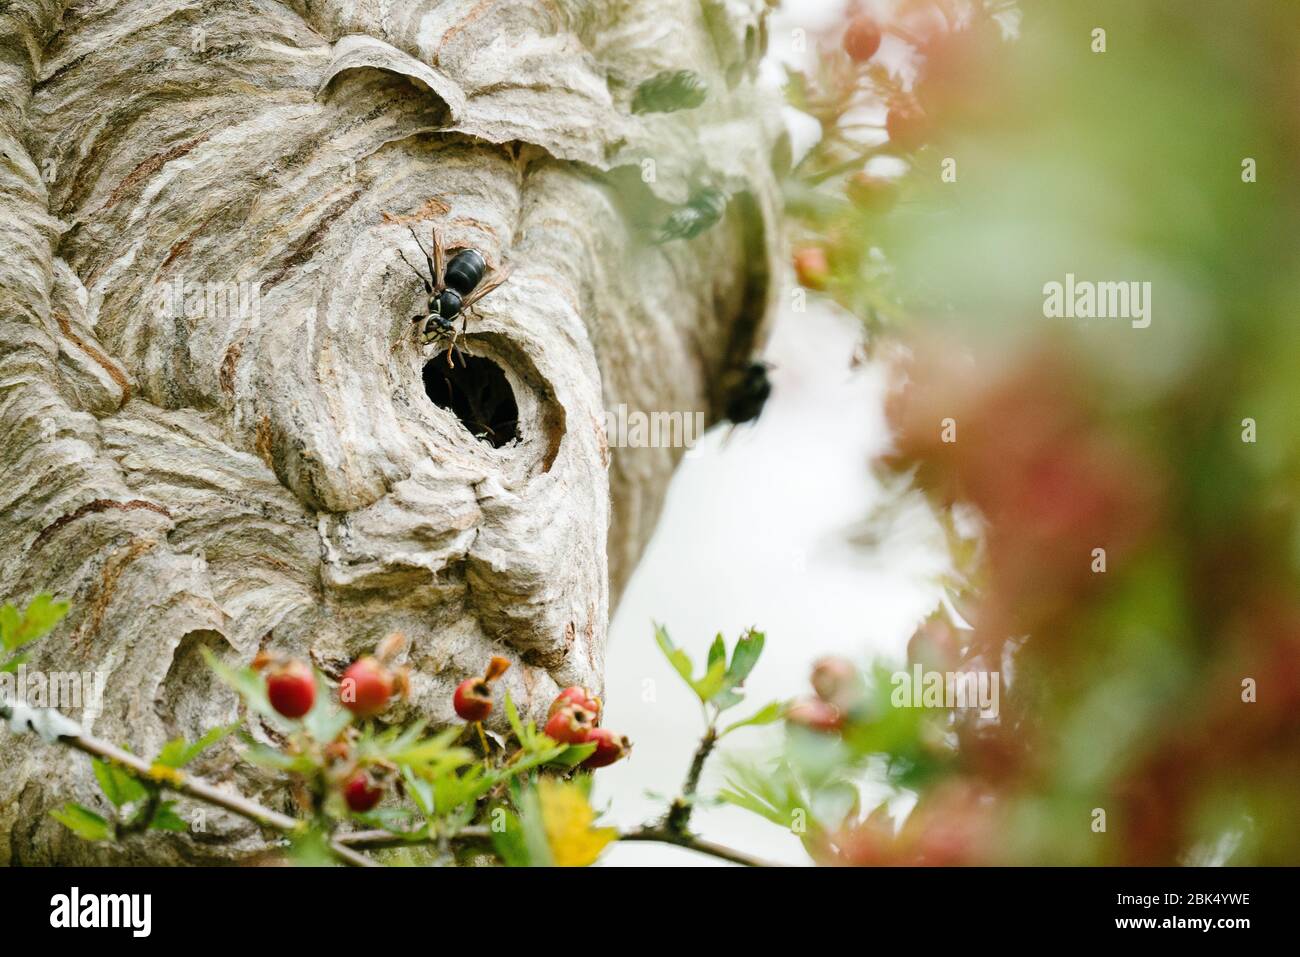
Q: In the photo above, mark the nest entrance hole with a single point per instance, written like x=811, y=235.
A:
x=476, y=391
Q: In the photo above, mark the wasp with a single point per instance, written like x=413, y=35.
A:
x=703, y=210
x=453, y=286
x=746, y=392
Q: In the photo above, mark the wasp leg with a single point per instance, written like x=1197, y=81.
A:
x=434, y=274
x=452, y=351
x=427, y=288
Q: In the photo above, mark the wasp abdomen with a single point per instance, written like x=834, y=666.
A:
x=465, y=271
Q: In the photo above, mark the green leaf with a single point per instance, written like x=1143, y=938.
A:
x=421, y=791
x=726, y=698
x=119, y=786
x=751, y=802
x=11, y=622
x=83, y=822
x=13, y=663
x=713, y=680
x=717, y=651
x=432, y=750
x=570, y=756
x=311, y=848
x=764, y=715
x=177, y=753
x=509, y=842
x=40, y=616
x=512, y=715
x=266, y=757
x=745, y=656
x=166, y=819
x=676, y=657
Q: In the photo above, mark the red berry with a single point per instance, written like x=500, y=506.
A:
x=609, y=748
x=835, y=680
x=862, y=39
x=360, y=793
x=907, y=125
x=571, y=725
x=811, y=267
x=366, y=687
x=577, y=697
x=291, y=687
x=815, y=714
x=473, y=699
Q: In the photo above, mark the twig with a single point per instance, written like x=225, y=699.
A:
x=679, y=813
x=174, y=779
x=689, y=841
x=815, y=179
x=381, y=839
x=177, y=780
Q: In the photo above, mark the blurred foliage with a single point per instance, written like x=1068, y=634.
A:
x=1163, y=690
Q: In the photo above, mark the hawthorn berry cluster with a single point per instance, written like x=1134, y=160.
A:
x=835, y=186
x=369, y=684
x=573, y=718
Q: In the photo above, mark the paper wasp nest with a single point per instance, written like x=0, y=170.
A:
x=214, y=427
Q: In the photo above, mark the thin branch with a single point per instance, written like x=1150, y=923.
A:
x=689, y=841
x=177, y=780
x=376, y=839
x=174, y=779
x=679, y=813
x=815, y=179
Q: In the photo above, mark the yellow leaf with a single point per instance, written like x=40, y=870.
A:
x=567, y=819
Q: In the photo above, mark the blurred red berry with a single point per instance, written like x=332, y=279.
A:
x=291, y=688
x=862, y=38
x=815, y=714
x=836, y=681
x=609, y=748
x=811, y=267
x=366, y=687
x=907, y=125
x=578, y=697
x=571, y=725
x=361, y=793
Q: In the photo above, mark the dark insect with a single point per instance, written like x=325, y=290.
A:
x=702, y=210
x=746, y=392
x=669, y=91
x=453, y=287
